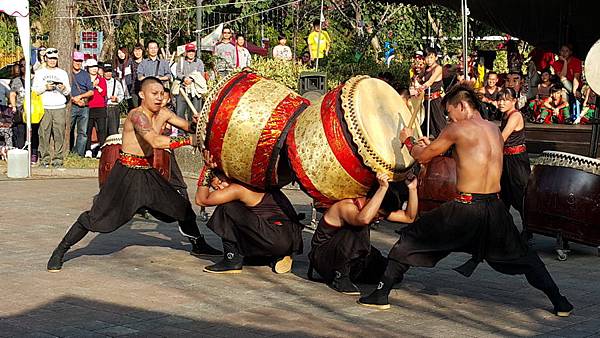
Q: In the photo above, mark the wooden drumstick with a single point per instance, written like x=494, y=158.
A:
x=413, y=118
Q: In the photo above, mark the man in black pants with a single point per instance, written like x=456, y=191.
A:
x=477, y=222
x=133, y=183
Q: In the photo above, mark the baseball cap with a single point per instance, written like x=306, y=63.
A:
x=107, y=67
x=190, y=47
x=91, y=63
x=52, y=53
x=78, y=56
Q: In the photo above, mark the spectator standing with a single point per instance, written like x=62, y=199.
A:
x=15, y=100
x=115, y=95
x=138, y=57
x=225, y=53
x=244, y=59
x=97, y=108
x=153, y=66
x=282, y=51
x=81, y=92
x=123, y=74
x=52, y=83
x=568, y=68
x=190, y=77
x=319, y=44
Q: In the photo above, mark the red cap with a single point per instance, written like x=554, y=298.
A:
x=190, y=47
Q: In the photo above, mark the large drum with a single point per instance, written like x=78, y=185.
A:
x=110, y=154
x=338, y=144
x=563, y=197
x=437, y=183
x=248, y=120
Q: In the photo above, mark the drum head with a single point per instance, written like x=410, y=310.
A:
x=592, y=67
x=375, y=114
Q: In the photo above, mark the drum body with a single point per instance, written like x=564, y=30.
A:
x=248, y=120
x=110, y=154
x=563, y=197
x=437, y=183
x=338, y=144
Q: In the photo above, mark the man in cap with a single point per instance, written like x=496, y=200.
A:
x=52, y=84
x=81, y=92
x=190, y=81
x=114, y=95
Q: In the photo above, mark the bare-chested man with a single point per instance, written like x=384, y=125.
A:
x=477, y=222
x=133, y=183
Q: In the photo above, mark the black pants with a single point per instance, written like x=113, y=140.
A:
x=254, y=235
x=515, y=174
x=349, y=252
x=437, y=121
x=97, y=119
x=20, y=136
x=113, y=114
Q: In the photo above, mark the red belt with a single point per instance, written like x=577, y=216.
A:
x=514, y=150
x=433, y=96
x=134, y=161
x=468, y=198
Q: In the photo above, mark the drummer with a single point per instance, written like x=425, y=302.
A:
x=250, y=223
x=515, y=165
x=476, y=222
x=133, y=183
x=341, y=250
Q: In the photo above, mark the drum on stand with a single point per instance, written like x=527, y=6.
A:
x=437, y=183
x=247, y=119
x=338, y=144
x=563, y=199
x=161, y=160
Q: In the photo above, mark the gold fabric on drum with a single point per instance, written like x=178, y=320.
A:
x=318, y=160
x=246, y=125
x=375, y=113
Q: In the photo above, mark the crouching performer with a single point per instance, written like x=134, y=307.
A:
x=341, y=250
x=133, y=183
x=250, y=223
x=477, y=222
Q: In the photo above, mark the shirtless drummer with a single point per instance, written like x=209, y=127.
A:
x=133, y=183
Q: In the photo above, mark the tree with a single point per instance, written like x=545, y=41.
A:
x=110, y=11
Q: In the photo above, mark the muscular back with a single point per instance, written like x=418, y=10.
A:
x=478, y=155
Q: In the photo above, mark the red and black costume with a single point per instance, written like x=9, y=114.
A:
x=437, y=119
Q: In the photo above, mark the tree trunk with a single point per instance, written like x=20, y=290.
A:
x=61, y=38
x=110, y=44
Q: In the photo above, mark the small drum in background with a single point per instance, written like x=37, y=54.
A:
x=437, y=183
x=563, y=199
x=338, y=144
x=248, y=120
x=161, y=160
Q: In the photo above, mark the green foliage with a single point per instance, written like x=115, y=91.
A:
x=283, y=72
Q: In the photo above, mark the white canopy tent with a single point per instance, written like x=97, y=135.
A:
x=20, y=10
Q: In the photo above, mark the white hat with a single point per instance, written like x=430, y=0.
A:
x=91, y=63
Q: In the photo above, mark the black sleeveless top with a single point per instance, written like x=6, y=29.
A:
x=493, y=96
x=516, y=137
x=324, y=233
x=436, y=86
x=271, y=207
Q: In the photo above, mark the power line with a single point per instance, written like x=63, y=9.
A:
x=161, y=10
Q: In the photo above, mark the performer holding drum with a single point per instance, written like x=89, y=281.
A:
x=476, y=222
x=133, y=183
x=341, y=250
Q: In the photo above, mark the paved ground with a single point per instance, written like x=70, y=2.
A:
x=141, y=281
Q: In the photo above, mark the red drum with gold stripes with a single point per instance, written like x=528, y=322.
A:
x=338, y=144
x=248, y=119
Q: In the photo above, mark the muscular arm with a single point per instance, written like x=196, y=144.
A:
x=408, y=215
x=143, y=127
x=348, y=213
x=511, y=125
x=177, y=121
x=207, y=198
x=424, y=154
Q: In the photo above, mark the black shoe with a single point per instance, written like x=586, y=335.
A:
x=55, y=262
x=342, y=283
x=201, y=248
x=563, y=308
x=226, y=265
x=377, y=299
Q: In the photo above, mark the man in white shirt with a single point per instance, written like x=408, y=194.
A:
x=114, y=95
x=52, y=84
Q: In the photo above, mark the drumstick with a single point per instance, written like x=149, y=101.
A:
x=413, y=118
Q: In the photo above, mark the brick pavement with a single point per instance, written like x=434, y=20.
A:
x=141, y=281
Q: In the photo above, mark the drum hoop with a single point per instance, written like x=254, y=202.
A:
x=113, y=139
x=370, y=157
x=567, y=160
x=204, y=113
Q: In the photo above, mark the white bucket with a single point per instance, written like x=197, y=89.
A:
x=18, y=163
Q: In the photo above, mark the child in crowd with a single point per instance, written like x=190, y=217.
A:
x=543, y=92
x=589, y=106
x=555, y=109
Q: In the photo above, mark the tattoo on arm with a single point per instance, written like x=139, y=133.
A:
x=141, y=123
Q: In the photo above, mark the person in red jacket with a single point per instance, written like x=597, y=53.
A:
x=97, y=107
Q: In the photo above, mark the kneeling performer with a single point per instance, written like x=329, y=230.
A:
x=250, y=223
x=341, y=250
x=134, y=184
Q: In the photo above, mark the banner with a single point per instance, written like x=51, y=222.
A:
x=91, y=44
